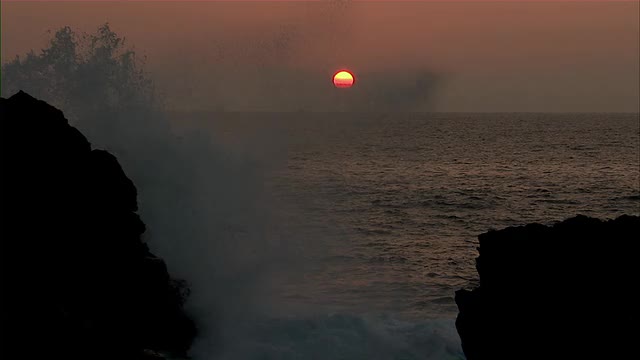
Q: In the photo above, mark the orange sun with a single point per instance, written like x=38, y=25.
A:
x=343, y=79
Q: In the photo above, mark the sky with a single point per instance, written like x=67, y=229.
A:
x=409, y=56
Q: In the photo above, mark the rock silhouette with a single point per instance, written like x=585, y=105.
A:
x=78, y=282
x=554, y=292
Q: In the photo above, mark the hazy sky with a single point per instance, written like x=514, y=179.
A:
x=455, y=56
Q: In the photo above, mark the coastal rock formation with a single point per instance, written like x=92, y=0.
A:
x=78, y=282
x=554, y=292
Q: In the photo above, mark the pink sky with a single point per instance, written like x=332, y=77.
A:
x=490, y=56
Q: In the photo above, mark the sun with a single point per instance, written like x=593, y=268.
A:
x=343, y=79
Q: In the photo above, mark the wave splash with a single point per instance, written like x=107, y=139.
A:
x=334, y=336
x=208, y=214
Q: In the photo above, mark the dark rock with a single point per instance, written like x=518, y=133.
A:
x=554, y=292
x=77, y=280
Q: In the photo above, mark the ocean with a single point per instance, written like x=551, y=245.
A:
x=381, y=213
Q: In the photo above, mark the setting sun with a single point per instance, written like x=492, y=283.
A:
x=343, y=79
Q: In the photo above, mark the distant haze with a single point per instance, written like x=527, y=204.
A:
x=414, y=56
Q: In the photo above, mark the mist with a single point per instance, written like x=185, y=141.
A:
x=209, y=208
x=267, y=69
x=206, y=208
x=483, y=56
x=157, y=93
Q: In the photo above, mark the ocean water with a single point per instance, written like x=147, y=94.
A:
x=385, y=210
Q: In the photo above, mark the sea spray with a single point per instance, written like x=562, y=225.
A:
x=210, y=216
x=335, y=336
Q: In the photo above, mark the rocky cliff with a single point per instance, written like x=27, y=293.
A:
x=554, y=292
x=78, y=281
